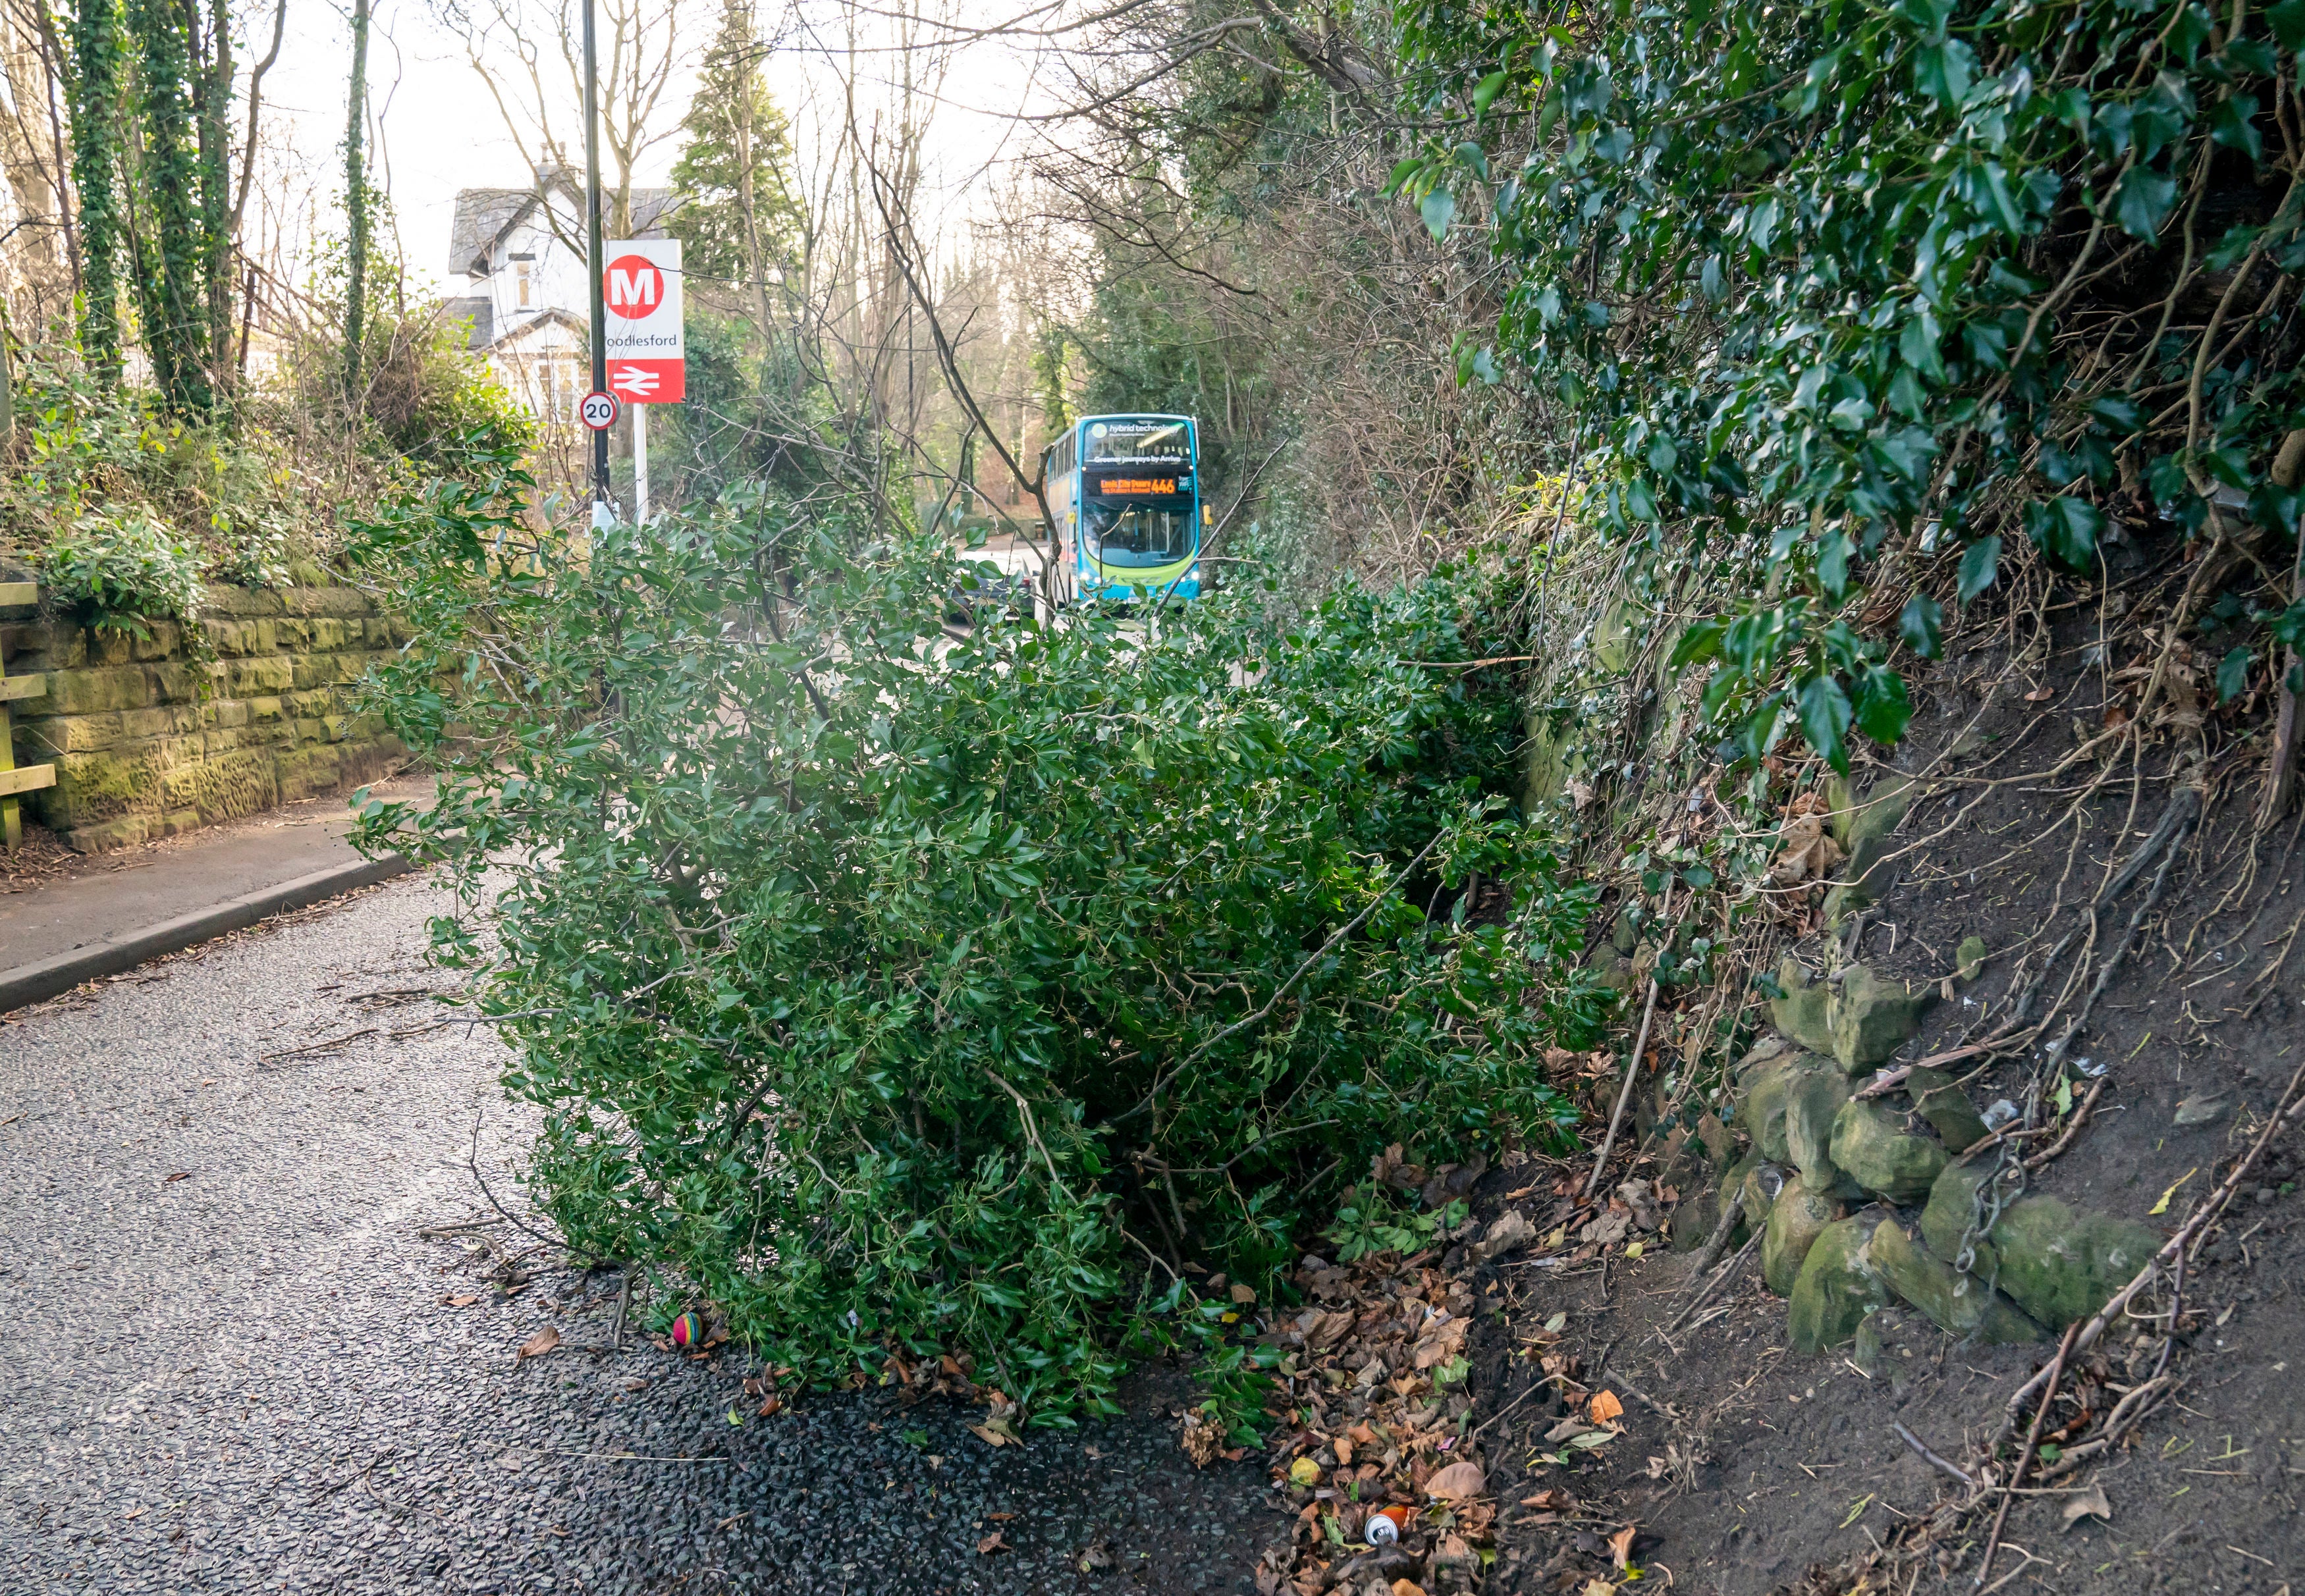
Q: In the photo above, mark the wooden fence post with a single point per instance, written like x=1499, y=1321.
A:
x=32, y=778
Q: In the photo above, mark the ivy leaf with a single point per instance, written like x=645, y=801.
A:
x=2288, y=19
x=2275, y=507
x=1438, y=210
x=2119, y=410
x=1944, y=71
x=2234, y=126
x=1824, y=719
x=1700, y=641
x=1922, y=626
x=2065, y=528
x=2143, y=201
x=1978, y=566
x=1883, y=710
x=2232, y=674
x=1918, y=344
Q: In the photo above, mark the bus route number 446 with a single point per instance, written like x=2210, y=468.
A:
x=598, y=411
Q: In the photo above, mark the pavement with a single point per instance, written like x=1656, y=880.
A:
x=84, y=918
x=236, y=1360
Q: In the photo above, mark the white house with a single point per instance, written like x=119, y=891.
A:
x=522, y=252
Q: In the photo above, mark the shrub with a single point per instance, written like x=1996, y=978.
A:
x=901, y=989
x=122, y=569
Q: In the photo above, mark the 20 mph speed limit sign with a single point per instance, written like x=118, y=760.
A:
x=598, y=410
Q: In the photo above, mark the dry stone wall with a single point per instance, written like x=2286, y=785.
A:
x=150, y=738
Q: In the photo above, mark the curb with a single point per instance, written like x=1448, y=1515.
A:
x=29, y=983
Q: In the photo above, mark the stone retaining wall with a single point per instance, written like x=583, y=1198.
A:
x=149, y=740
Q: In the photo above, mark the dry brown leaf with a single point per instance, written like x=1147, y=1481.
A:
x=772, y=1406
x=1620, y=1547
x=991, y=1544
x=1456, y=1482
x=1552, y=1500
x=460, y=1300
x=1001, y=1517
x=1243, y=1295
x=992, y=1436
x=2091, y=1503
x=1361, y=1435
x=1406, y=1587
x=538, y=1345
x=1344, y=1447
x=179, y=1175
x=635, y=1383
x=1598, y=1587
x=1604, y=1407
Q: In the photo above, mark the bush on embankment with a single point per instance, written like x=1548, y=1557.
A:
x=903, y=985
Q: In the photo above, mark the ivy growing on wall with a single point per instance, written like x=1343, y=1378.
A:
x=1838, y=284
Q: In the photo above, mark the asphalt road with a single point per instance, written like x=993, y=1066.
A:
x=228, y=1365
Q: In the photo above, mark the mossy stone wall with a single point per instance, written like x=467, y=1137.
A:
x=150, y=740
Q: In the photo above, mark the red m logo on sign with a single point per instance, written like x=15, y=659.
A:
x=633, y=286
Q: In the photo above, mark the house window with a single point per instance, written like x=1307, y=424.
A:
x=520, y=270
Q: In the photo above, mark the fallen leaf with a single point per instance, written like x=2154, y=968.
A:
x=133, y=1513
x=772, y=1406
x=1344, y=1447
x=991, y=1544
x=1552, y=1500
x=992, y=1436
x=1242, y=1294
x=1456, y=1482
x=1567, y=1429
x=1361, y=1435
x=2162, y=1207
x=2040, y=695
x=2090, y=1504
x=1598, y=1587
x=635, y=1383
x=179, y=1175
x=1001, y=1517
x=538, y=1345
x=1592, y=1439
x=1305, y=1472
x=1603, y=1407
x=1620, y=1547
x=1406, y=1587
x=462, y=1300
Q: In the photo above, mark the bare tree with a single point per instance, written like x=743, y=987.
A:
x=529, y=53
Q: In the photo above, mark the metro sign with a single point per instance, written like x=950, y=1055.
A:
x=640, y=292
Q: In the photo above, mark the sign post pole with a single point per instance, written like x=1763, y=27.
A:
x=640, y=464
x=601, y=514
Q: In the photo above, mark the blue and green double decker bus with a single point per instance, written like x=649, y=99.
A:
x=1125, y=491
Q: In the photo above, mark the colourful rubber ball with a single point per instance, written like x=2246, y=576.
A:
x=688, y=1332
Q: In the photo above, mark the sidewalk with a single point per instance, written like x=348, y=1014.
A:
x=85, y=918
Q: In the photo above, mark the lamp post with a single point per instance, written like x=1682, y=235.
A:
x=594, y=265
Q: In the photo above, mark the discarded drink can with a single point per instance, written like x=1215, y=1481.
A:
x=1384, y=1526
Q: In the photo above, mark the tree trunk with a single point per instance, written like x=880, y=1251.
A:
x=96, y=48
x=215, y=202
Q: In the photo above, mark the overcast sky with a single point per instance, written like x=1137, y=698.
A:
x=440, y=130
